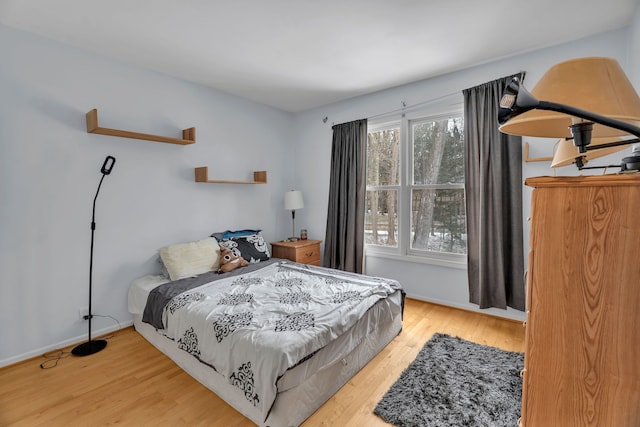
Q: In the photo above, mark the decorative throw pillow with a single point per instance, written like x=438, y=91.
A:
x=229, y=234
x=163, y=268
x=251, y=247
x=190, y=259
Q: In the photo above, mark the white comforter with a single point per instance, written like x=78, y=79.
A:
x=251, y=328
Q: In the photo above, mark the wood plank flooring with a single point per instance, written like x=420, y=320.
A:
x=130, y=383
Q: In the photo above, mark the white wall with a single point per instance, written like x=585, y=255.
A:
x=634, y=48
x=50, y=169
x=423, y=281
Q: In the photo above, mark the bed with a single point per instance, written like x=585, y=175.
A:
x=275, y=339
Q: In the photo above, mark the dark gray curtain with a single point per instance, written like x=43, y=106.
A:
x=344, y=240
x=493, y=186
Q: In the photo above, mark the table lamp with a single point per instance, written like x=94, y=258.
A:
x=293, y=201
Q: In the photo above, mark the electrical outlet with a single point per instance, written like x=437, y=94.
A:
x=83, y=313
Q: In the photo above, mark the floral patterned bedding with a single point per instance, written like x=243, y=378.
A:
x=253, y=326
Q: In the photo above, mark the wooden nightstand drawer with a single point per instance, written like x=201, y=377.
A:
x=308, y=254
x=302, y=251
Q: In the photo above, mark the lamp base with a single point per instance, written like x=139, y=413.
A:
x=89, y=347
x=631, y=163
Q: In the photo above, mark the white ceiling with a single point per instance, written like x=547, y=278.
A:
x=300, y=54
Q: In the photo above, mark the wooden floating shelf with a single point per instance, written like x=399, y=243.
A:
x=202, y=175
x=534, y=159
x=188, y=135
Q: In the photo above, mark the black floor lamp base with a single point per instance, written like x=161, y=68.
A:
x=89, y=347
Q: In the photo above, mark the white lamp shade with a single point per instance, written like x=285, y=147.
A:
x=566, y=153
x=598, y=85
x=293, y=200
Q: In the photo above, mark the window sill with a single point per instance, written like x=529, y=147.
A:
x=442, y=262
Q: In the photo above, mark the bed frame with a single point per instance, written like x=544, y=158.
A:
x=382, y=323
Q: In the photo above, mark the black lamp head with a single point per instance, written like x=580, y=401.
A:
x=515, y=100
x=107, y=166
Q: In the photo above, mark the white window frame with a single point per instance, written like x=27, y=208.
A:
x=403, y=251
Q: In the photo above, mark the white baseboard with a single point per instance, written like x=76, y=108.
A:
x=507, y=314
x=510, y=313
x=62, y=344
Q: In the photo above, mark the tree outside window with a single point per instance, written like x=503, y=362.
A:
x=432, y=190
x=383, y=179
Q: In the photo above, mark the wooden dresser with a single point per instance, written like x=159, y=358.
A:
x=302, y=251
x=582, y=352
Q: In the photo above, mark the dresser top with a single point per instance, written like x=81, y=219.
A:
x=624, y=179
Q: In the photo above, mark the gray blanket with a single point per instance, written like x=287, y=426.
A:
x=160, y=296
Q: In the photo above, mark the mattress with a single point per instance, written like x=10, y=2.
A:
x=306, y=386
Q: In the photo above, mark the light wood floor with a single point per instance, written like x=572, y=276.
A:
x=130, y=383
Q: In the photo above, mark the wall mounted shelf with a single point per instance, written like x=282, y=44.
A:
x=188, y=135
x=202, y=175
x=534, y=159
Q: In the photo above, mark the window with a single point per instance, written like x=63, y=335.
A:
x=415, y=187
x=383, y=186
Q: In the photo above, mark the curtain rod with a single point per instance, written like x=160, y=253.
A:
x=409, y=107
x=404, y=107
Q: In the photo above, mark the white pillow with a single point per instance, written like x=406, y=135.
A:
x=192, y=258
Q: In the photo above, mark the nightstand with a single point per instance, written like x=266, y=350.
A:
x=302, y=251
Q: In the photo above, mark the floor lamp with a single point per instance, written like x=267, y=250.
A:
x=583, y=100
x=94, y=346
